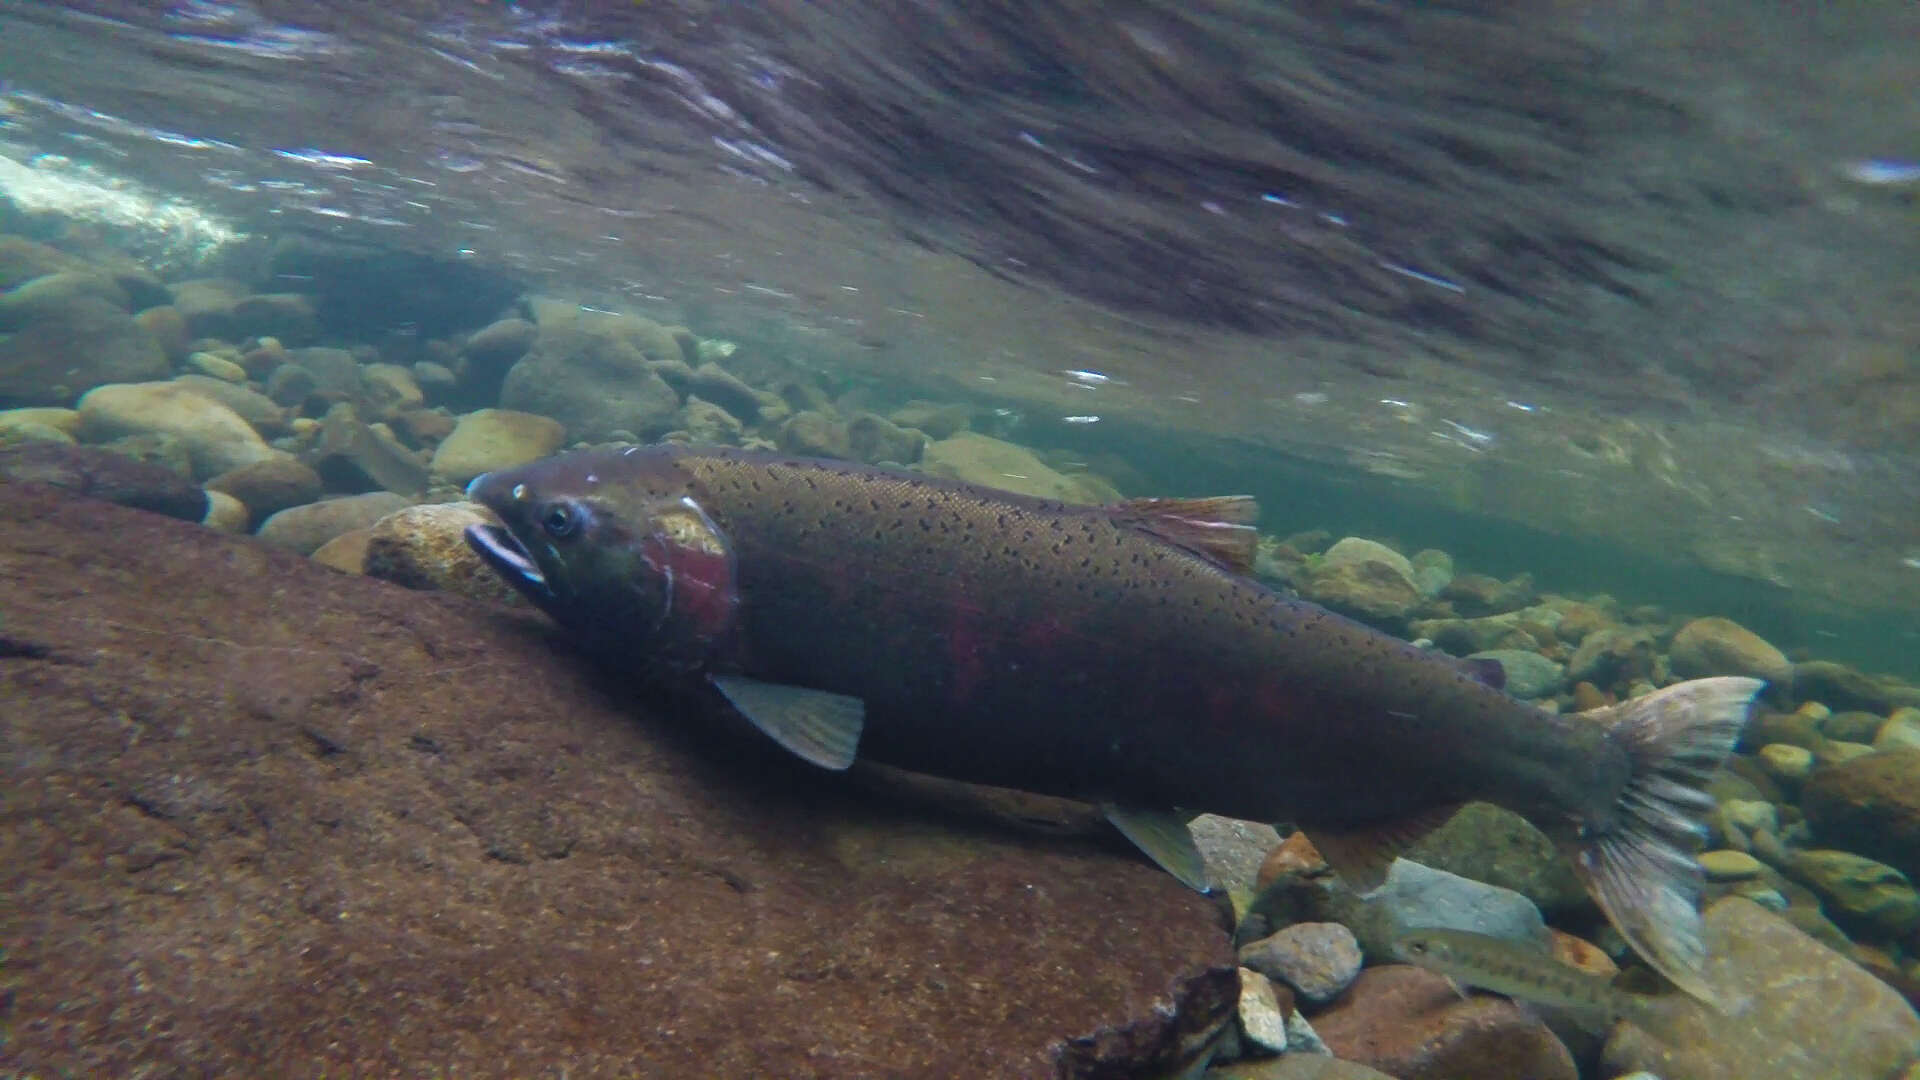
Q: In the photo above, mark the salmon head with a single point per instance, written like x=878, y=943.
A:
x=634, y=570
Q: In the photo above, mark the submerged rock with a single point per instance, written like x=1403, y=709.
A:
x=1233, y=850
x=815, y=434
x=38, y=425
x=19, y=431
x=215, y=366
x=1842, y=687
x=217, y=439
x=491, y=439
x=492, y=349
x=1795, y=1010
x=335, y=372
x=1614, y=656
x=62, y=353
x=1317, y=959
x=104, y=474
x=389, y=390
x=47, y=297
x=720, y=386
x=939, y=421
x=22, y=260
x=1716, y=646
x=207, y=304
x=1263, y=1014
x=1432, y=570
x=996, y=463
x=1869, y=805
x=353, y=455
x=1900, y=732
x=258, y=410
x=1489, y=633
x=1478, y=595
x=169, y=329
x=1413, y=895
x=875, y=439
x=425, y=547
x=1364, y=579
x=1495, y=846
x=1413, y=1024
x=346, y=552
x=1528, y=674
x=226, y=514
x=709, y=424
x=591, y=373
x=342, y=828
x=1296, y=1066
x=270, y=486
x=1859, y=892
x=303, y=529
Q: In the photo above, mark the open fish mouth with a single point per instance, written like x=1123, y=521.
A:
x=510, y=559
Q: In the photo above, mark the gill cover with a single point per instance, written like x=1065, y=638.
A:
x=637, y=576
x=698, y=581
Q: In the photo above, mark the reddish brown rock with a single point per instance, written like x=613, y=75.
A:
x=1295, y=855
x=1411, y=1024
x=266, y=820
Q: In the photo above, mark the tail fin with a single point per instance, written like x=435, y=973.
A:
x=1641, y=870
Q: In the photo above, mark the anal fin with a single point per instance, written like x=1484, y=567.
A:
x=822, y=727
x=1362, y=856
x=1163, y=836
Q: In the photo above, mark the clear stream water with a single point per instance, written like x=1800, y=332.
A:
x=1623, y=294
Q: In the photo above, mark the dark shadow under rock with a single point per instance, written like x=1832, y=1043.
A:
x=264, y=818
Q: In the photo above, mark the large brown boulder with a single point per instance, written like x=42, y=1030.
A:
x=263, y=819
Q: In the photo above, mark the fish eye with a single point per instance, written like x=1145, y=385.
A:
x=559, y=520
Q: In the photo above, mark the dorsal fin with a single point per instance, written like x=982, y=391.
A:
x=1219, y=527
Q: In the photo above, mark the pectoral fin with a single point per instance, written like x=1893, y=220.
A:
x=1362, y=856
x=1163, y=836
x=821, y=727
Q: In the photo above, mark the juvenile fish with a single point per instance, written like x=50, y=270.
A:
x=1518, y=972
x=1121, y=654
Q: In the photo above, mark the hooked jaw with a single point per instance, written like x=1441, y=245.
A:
x=501, y=550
